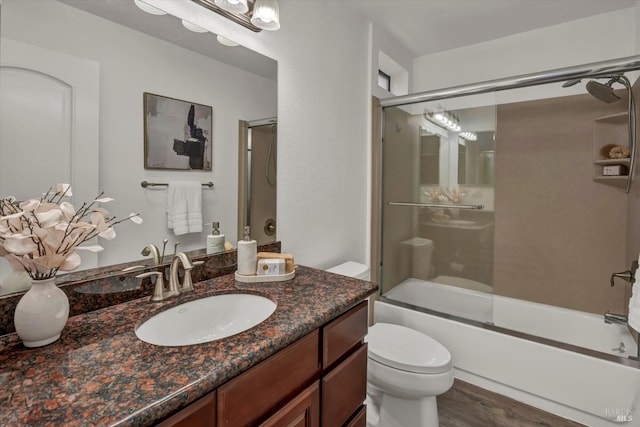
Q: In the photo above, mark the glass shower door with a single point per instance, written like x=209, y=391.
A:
x=437, y=214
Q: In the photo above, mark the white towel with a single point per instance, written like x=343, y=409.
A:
x=633, y=319
x=184, y=207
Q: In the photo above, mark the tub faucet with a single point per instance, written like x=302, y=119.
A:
x=627, y=275
x=619, y=319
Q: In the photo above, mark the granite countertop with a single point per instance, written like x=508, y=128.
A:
x=99, y=373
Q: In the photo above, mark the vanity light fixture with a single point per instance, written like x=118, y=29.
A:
x=469, y=136
x=225, y=41
x=233, y=6
x=266, y=15
x=446, y=119
x=193, y=27
x=260, y=14
x=149, y=8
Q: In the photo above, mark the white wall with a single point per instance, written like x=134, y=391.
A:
x=636, y=39
x=323, y=128
x=132, y=63
x=382, y=41
x=601, y=37
x=323, y=113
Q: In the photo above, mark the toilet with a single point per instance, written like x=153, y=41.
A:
x=406, y=370
x=415, y=258
x=351, y=269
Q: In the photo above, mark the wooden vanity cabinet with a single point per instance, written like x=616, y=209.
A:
x=301, y=411
x=246, y=399
x=318, y=381
x=201, y=413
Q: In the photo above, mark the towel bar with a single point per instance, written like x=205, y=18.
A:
x=145, y=184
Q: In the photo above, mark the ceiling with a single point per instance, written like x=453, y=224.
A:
x=429, y=26
x=423, y=26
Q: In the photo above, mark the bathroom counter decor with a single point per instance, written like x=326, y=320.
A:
x=41, y=236
x=100, y=373
x=267, y=278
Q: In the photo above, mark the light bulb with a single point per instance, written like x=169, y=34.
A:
x=233, y=6
x=225, y=41
x=193, y=27
x=266, y=15
x=149, y=8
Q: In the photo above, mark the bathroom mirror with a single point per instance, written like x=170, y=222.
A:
x=476, y=159
x=133, y=52
x=449, y=159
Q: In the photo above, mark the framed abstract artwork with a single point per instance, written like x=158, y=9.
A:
x=177, y=134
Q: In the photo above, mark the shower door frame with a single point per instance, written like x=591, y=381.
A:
x=244, y=173
x=591, y=70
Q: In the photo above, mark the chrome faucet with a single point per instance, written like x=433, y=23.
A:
x=160, y=293
x=153, y=251
x=619, y=319
x=174, y=280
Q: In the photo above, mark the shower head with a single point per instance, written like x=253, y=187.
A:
x=604, y=92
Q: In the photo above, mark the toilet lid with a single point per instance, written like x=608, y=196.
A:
x=407, y=349
x=351, y=269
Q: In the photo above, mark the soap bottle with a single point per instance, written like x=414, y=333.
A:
x=247, y=255
x=215, y=241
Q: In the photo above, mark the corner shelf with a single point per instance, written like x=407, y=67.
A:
x=610, y=129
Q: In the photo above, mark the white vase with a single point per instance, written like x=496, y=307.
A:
x=41, y=313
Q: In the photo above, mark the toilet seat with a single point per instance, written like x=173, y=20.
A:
x=406, y=349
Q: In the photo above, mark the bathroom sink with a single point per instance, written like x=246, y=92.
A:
x=207, y=319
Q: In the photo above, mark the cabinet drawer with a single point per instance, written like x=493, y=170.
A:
x=201, y=413
x=344, y=389
x=344, y=333
x=360, y=419
x=302, y=411
x=250, y=396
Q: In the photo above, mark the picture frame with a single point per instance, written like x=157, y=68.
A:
x=177, y=134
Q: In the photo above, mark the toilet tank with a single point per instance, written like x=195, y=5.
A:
x=351, y=269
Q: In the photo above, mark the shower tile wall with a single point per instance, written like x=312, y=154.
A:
x=559, y=235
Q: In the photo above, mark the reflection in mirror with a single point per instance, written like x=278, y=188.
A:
x=257, y=179
x=476, y=159
x=117, y=53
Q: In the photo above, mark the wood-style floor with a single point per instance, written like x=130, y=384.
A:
x=466, y=405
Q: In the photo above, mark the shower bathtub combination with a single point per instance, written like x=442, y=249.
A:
x=480, y=244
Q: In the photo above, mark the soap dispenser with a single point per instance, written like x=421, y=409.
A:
x=215, y=241
x=247, y=255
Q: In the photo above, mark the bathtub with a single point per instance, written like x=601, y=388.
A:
x=595, y=391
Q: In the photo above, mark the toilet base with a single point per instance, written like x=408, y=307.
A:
x=384, y=410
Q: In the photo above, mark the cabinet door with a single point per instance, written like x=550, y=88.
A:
x=201, y=413
x=249, y=397
x=302, y=411
x=360, y=419
x=344, y=389
x=343, y=334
